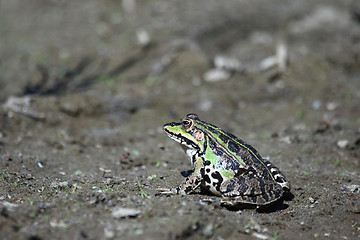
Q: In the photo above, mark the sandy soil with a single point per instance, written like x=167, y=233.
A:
x=85, y=87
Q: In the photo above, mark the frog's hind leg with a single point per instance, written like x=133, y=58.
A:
x=278, y=176
x=250, y=190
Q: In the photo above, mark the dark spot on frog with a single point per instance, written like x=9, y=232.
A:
x=197, y=181
x=202, y=172
x=237, y=184
x=265, y=197
x=212, y=144
x=233, y=164
x=252, y=192
x=212, y=130
x=207, y=179
x=188, y=189
x=232, y=135
x=219, y=152
x=261, y=185
x=208, y=170
x=217, y=175
x=223, y=138
x=233, y=147
x=172, y=124
x=207, y=163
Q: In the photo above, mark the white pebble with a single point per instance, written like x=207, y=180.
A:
x=331, y=106
x=216, y=75
x=316, y=105
x=121, y=212
x=342, y=143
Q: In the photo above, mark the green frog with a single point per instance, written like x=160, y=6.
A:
x=225, y=165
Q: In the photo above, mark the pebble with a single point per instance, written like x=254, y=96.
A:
x=142, y=36
x=267, y=63
x=316, y=105
x=216, y=75
x=63, y=184
x=230, y=64
x=285, y=139
x=342, y=143
x=331, y=106
x=121, y=212
x=78, y=173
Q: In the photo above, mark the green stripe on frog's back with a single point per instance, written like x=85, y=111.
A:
x=226, y=138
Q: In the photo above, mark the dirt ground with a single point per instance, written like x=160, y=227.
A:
x=86, y=86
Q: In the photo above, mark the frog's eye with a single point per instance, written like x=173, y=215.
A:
x=187, y=123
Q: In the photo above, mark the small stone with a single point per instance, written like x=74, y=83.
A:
x=285, y=139
x=216, y=75
x=63, y=184
x=267, y=63
x=230, y=64
x=78, y=173
x=343, y=143
x=331, y=106
x=142, y=36
x=312, y=200
x=316, y=105
x=121, y=212
x=58, y=223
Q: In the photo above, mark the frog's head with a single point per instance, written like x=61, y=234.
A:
x=188, y=132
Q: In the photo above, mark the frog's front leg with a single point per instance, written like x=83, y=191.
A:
x=190, y=184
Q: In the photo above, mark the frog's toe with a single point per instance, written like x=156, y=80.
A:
x=165, y=191
x=228, y=202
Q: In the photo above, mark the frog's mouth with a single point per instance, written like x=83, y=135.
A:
x=180, y=138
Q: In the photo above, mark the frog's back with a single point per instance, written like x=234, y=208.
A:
x=252, y=160
x=262, y=167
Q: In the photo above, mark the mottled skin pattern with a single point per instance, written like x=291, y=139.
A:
x=225, y=165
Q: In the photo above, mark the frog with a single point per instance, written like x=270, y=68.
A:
x=224, y=165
